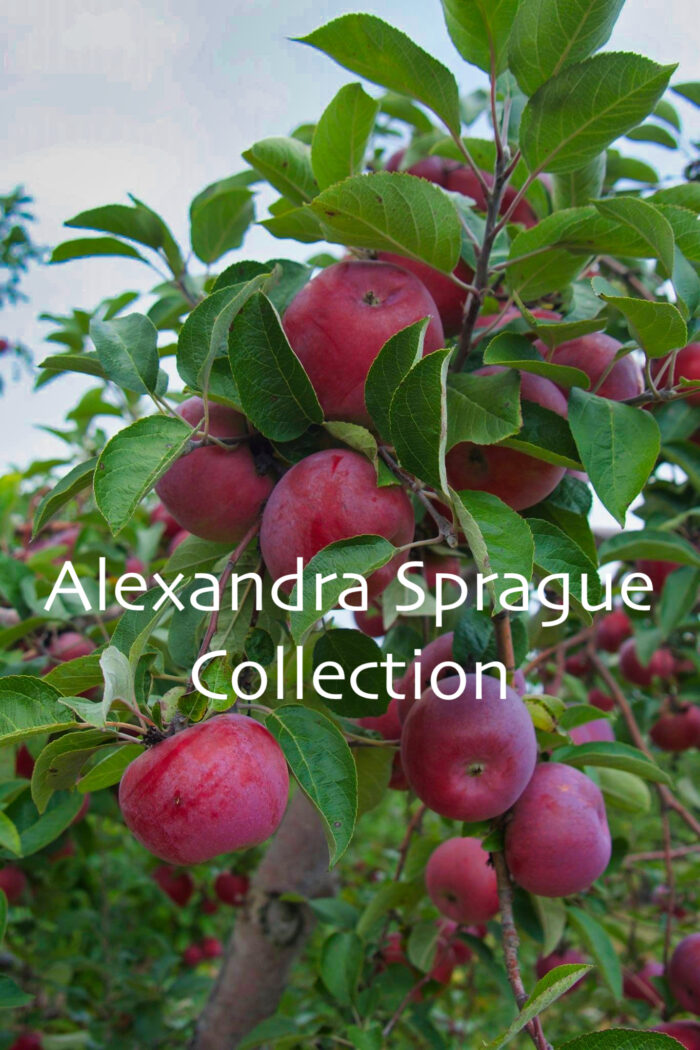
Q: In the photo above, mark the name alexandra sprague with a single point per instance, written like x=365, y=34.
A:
x=297, y=592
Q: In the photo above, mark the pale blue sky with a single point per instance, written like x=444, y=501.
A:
x=160, y=97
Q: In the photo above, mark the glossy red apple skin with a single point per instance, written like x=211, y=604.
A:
x=231, y=888
x=684, y=974
x=558, y=841
x=687, y=366
x=593, y=732
x=677, y=731
x=662, y=665
x=329, y=496
x=434, y=169
x=448, y=296
x=463, y=180
x=370, y=620
x=568, y=957
x=13, y=882
x=212, y=492
x=213, y=788
x=612, y=630
x=436, y=564
x=460, y=881
x=687, y=1033
x=436, y=652
x=639, y=986
x=516, y=478
x=340, y=320
x=179, y=886
x=469, y=759
x=592, y=354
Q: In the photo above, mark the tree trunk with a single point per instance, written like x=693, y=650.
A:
x=269, y=933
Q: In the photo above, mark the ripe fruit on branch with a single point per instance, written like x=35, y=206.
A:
x=434, y=169
x=24, y=762
x=594, y=354
x=436, y=652
x=231, y=888
x=339, y=321
x=333, y=495
x=558, y=841
x=449, y=954
x=13, y=882
x=468, y=758
x=662, y=664
x=179, y=886
x=657, y=571
x=70, y=646
x=516, y=478
x=448, y=297
x=684, y=974
x=597, y=698
x=192, y=955
x=161, y=515
x=568, y=957
x=215, y=493
x=461, y=882
x=211, y=947
x=640, y=986
x=28, y=1041
x=213, y=788
x=434, y=564
x=371, y=620
x=678, y=731
x=612, y=630
x=578, y=664
x=687, y=366
x=687, y=1033
x=462, y=179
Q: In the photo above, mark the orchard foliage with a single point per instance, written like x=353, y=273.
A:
x=496, y=320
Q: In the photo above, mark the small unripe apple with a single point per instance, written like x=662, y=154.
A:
x=340, y=320
x=612, y=630
x=231, y=888
x=216, y=787
x=461, y=882
x=679, y=731
x=209, y=906
x=216, y=493
x=640, y=985
x=558, y=841
x=468, y=758
x=13, y=882
x=179, y=886
x=684, y=974
x=662, y=665
x=333, y=495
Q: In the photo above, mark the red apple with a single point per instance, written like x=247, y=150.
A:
x=657, y=571
x=211, y=947
x=597, y=698
x=464, y=180
x=448, y=296
x=662, y=665
x=687, y=366
x=371, y=620
x=216, y=787
x=13, y=882
x=678, y=731
x=461, y=882
x=612, y=630
x=192, y=955
x=231, y=888
x=593, y=354
x=179, y=886
x=684, y=974
x=24, y=762
x=436, y=652
x=687, y=1033
x=639, y=985
x=160, y=515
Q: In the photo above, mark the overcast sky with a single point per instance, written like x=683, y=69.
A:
x=159, y=97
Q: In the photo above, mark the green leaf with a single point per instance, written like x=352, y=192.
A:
x=342, y=134
x=90, y=247
x=320, y=760
x=390, y=211
x=340, y=965
x=548, y=35
x=127, y=348
x=668, y=113
x=657, y=327
x=132, y=462
x=624, y=791
x=552, y=986
x=580, y=186
x=194, y=555
x=219, y=223
x=86, y=364
x=480, y=30
x=515, y=351
x=382, y=54
x=556, y=553
x=299, y=224
x=551, y=911
x=275, y=392
x=653, y=133
x=618, y=445
x=689, y=90
x=418, y=421
x=204, y=336
x=649, y=544
x=135, y=223
x=647, y=222
x=60, y=814
x=351, y=649
x=374, y=766
x=389, y=895
x=360, y=555
x=618, y=167
x=29, y=707
x=596, y=939
x=286, y=164
x=545, y=435
x=76, y=676
x=359, y=438
x=552, y=333
x=500, y=540
x=60, y=762
x=482, y=409
x=584, y=108
x=622, y=1039
x=9, y=840
x=108, y=770
x=75, y=481
x=611, y=755
x=11, y=995
x=678, y=598
x=391, y=365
